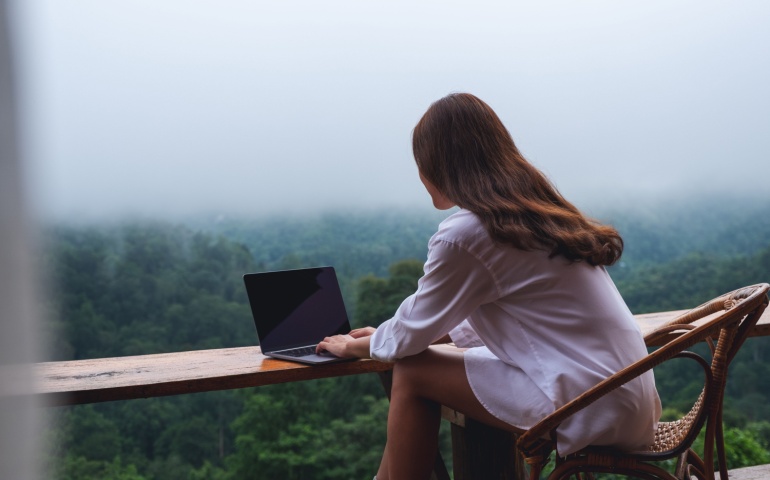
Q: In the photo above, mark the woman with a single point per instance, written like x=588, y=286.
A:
x=518, y=275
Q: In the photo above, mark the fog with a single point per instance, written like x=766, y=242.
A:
x=183, y=107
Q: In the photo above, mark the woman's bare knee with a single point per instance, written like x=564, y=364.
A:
x=419, y=373
x=408, y=374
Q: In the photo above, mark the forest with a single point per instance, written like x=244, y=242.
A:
x=135, y=287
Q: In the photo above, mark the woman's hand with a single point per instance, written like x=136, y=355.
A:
x=362, y=332
x=345, y=346
x=336, y=345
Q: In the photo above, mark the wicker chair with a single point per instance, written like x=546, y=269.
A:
x=728, y=319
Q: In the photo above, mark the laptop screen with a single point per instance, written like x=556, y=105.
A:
x=294, y=308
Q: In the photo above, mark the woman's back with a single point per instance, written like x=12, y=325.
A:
x=564, y=325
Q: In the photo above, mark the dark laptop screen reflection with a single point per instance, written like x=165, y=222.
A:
x=295, y=302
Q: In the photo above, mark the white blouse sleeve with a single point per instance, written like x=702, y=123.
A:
x=464, y=336
x=454, y=285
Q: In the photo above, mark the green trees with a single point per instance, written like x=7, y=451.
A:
x=378, y=298
x=284, y=433
x=691, y=280
x=145, y=288
x=141, y=288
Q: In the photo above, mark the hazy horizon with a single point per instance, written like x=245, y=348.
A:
x=168, y=109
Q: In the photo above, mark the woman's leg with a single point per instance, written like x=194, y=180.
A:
x=421, y=384
x=382, y=473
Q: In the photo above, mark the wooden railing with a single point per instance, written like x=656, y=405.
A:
x=478, y=450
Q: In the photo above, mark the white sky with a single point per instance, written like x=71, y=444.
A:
x=164, y=107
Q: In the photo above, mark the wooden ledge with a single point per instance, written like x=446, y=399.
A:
x=142, y=376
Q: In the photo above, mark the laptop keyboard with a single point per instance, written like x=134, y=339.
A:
x=298, y=352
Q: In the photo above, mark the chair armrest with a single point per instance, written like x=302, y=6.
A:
x=721, y=303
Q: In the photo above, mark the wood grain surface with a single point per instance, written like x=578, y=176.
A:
x=124, y=378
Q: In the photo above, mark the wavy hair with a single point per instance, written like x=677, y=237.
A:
x=461, y=147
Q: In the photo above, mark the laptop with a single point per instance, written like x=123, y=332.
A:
x=294, y=310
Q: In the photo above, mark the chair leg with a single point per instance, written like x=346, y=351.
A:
x=692, y=462
x=681, y=465
x=693, y=473
x=720, y=440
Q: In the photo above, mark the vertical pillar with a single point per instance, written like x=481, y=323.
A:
x=18, y=410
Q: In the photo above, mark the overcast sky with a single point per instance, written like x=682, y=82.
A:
x=176, y=106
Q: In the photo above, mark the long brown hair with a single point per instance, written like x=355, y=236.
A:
x=465, y=151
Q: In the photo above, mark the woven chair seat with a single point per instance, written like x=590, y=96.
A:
x=669, y=435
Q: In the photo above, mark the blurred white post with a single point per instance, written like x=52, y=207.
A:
x=18, y=413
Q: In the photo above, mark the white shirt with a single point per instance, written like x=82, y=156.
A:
x=545, y=330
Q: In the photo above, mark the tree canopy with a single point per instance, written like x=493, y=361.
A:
x=150, y=287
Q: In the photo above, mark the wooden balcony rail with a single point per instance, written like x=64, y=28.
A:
x=123, y=378
x=142, y=376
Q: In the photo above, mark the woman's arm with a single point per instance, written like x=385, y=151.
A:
x=454, y=285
